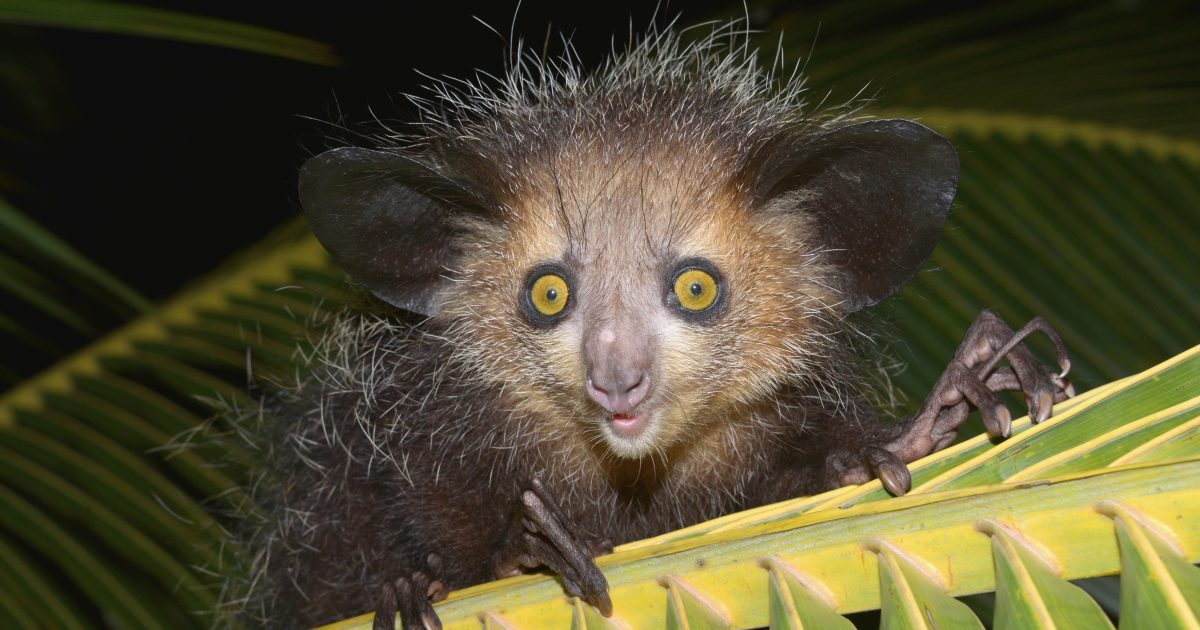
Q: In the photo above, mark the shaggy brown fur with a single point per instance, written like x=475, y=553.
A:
x=410, y=438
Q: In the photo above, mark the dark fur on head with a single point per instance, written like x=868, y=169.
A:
x=411, y=438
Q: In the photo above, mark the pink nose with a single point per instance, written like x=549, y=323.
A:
x=621, y=392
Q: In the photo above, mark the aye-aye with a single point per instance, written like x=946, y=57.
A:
x=618, y=306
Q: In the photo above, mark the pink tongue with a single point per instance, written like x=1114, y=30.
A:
x=628, y=425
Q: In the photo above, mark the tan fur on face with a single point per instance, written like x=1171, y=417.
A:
x=619, y=213
x=618, y=177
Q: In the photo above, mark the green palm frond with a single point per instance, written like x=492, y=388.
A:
x=1109, y=485
x=89, y=480
x=1080, y=192
x=1125, y=66
x=62, y=299
x=133, y=19
x=62, y=290
x=1086, y=238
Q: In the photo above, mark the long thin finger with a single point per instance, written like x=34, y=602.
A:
x=416, y=613
x=570, y=550
x=1034, y=325
x=996, y=417
x=1003, y=380
x=581, y=578
x=1036, y=383
x=385, y=613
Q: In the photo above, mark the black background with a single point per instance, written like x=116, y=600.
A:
x=169, y=156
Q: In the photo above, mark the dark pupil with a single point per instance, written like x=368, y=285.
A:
x=696, y=289
x=551, y=295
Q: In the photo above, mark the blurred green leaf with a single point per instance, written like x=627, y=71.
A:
x=1080, y=192
x=132, y=19
x=99, y=445
x=20, y=234
x=62, y=293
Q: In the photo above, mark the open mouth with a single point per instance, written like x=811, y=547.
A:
x=629, y=426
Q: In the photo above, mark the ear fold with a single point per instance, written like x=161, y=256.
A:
x=880, y=192
x=395, y=240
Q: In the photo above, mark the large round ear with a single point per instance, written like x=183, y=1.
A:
x=880, y=192
x=365, y=208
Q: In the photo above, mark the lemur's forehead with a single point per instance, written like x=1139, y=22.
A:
x=627, y=209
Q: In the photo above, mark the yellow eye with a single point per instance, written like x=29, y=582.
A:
x=695, y=289
x=548, y=294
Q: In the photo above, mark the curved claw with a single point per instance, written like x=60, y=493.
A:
x=541, y=535
x=891, y=471
x=973, y=378
x=408, y=595
x=438, y=589
x=870, y=462
x=1066, y=388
